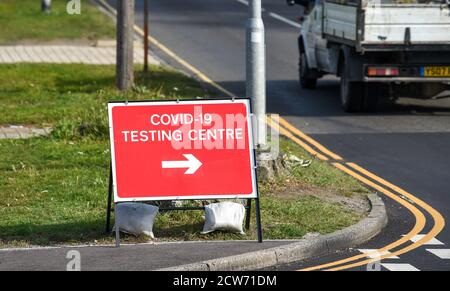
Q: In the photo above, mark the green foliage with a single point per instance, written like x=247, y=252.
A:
x=22, y=20
x=73, y=99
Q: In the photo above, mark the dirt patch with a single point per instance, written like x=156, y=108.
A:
x=356, y=202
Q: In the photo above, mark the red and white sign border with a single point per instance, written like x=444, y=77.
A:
x=245, y=101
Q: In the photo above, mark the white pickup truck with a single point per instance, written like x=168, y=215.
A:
x=378, y=47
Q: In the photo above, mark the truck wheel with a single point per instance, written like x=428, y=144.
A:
x=308, y=79
x=352, y=93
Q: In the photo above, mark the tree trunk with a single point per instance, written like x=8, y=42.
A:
x=125, y=33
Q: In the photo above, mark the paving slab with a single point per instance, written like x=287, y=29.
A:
x=68, y=54
x=20, y=132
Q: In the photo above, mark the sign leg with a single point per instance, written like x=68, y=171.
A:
x=248, y=214
x=258, y=221
x=117, y=229
x=108, y=209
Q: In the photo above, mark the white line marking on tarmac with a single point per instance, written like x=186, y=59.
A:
x=441, y=253
x=375, y=254
x=285, y=20
x=243, y=2
x=275, y=15
x=432, y=242
x=400, y=267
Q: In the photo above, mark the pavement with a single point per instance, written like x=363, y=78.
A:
x=103, y=54
x=405, y=142
x=127, y=257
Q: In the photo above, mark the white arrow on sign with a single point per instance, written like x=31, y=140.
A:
x=192, y=164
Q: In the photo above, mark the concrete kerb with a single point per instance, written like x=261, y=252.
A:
x=304, y=249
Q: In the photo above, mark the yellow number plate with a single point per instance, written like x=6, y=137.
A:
x=436, y=72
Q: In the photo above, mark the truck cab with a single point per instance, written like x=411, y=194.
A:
x=379, y=48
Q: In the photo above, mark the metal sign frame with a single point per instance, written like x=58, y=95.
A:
x=112, y=189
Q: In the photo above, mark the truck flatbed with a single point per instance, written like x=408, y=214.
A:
x=387, y=25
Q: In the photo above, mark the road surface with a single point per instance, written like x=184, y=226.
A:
x=407, y=143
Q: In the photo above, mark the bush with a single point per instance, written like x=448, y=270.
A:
x=91, y=124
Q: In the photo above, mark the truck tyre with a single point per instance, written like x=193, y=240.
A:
x=352, y=93
x=308, y=79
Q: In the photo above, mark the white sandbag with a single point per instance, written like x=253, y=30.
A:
x=136, y=218
x=226, y=216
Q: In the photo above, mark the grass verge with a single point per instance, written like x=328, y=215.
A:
x=22, y=21
x=53, y=189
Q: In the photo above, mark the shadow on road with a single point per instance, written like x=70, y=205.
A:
x=285, y=97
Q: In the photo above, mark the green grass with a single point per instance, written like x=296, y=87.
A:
x=22, y=20
x=46, y=95
x=53, y=190
x=319, y=174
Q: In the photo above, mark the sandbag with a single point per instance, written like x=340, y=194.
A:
x=225, y=216
x=136, y=218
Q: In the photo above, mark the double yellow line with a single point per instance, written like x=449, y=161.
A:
x=417, y=207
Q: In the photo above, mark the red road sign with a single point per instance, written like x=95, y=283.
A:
x=182, y=150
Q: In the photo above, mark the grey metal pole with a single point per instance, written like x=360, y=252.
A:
x=116, y=220
x=125, y=37
x=46, y=6
x=256, y=70
x=146, y=44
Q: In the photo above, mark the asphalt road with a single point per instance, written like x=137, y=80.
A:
x=142, y=257
x=406, y=143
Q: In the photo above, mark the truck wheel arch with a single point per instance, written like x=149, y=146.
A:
x=348, y=56
x=302, y=48
x=301, y=45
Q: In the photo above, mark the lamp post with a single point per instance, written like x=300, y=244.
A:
x=256, y=69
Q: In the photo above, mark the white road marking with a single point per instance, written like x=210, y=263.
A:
x=275, y=15
x=285, y=20
x=441, y=253
x=374, y=254
x=400, y=267
x=432, y=242
x=243, y=2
